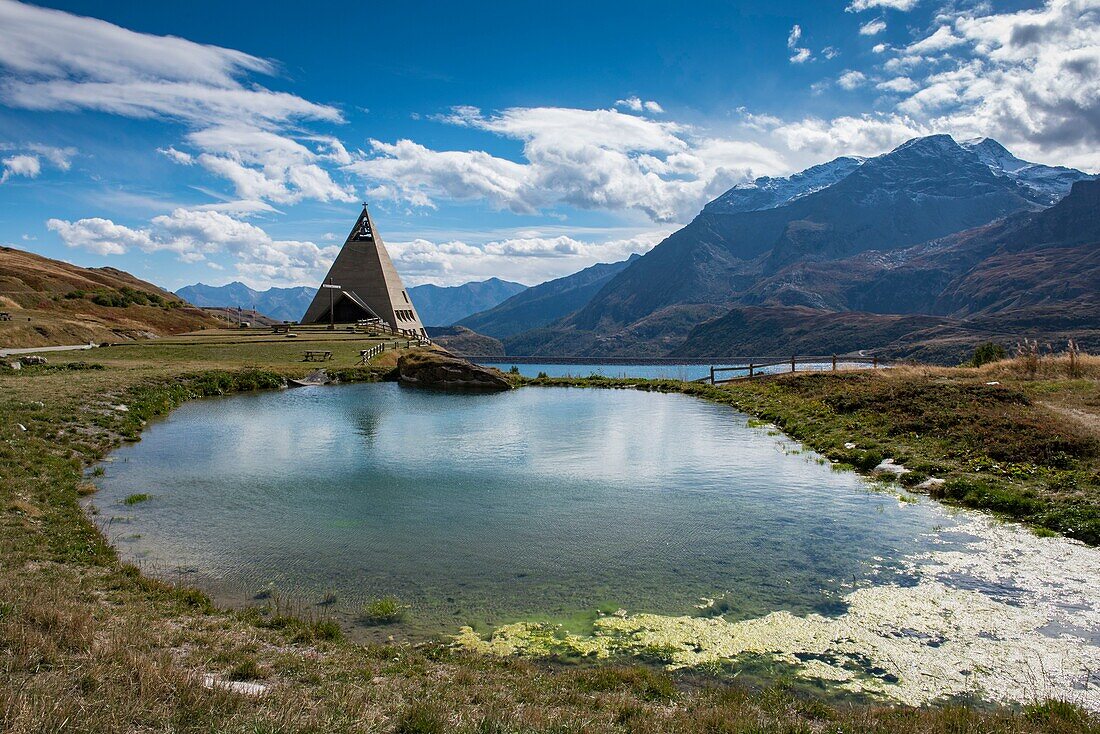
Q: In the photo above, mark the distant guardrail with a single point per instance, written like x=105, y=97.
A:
x=759, y=366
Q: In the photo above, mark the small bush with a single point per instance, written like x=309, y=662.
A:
x=514, y=370
x=986, y=353
x=386, y=610
x=136, y=499
x=543, y=376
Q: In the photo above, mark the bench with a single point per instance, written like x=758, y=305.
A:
x=317, y=355
x=5, y=316
x=281, y=328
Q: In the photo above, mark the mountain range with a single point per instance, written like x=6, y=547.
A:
x=443, y=306
x=920, y=251
x=436, y=305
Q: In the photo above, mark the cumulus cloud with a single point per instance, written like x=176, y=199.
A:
x=872, y=27
x=527, y=257
x=857, y=6
x=26, y=160
x=194, y=234
x=28, y=166
x=590, y=159
x=859, y=135
x=849, y=80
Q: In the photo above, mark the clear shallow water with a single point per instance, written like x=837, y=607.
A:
x=540, y=503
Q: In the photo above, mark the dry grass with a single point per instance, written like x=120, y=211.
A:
x=1065, y=365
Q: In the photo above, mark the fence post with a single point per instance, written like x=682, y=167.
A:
x=874, y=362
x=712, y=374
x=750, y=369
x=834, y=363
x=792, y=364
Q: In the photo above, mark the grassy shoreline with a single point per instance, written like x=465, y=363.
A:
x=89, y=644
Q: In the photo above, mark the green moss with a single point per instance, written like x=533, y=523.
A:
x=386, y=610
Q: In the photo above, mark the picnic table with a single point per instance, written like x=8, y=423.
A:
x=317, y=355
x=281, y=328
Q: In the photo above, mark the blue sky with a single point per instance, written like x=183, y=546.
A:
x=212, y=142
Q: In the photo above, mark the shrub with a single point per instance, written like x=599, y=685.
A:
x=386, y=610
x=986, y=353
x=136, y=498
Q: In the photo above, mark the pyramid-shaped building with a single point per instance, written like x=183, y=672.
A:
x=363, y=284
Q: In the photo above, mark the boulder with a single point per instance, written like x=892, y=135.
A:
x=436, y=368
x=33, y=359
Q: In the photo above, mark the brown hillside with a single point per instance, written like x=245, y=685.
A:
x=52, y=302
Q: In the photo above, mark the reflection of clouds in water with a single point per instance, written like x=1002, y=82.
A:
x=647, y=499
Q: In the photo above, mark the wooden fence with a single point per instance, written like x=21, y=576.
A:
x=753, y=367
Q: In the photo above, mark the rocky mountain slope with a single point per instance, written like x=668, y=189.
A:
x=836, y=238
x=51, y=302
x=544, y=303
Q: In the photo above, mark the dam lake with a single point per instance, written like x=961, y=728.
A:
x=598, y=523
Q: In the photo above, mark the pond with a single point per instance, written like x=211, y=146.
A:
x=578, y=521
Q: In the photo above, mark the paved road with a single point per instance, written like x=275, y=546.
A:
x=36, y=350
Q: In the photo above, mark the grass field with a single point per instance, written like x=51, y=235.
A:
x=88, y=644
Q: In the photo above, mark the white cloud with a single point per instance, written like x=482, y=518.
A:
x=59, y=157
x=849, y=135
x=636, y=104
x=194, y=234
x=179, y=156
x=830, y=52
x=879, y=48
x=28, y=166
x=264, y=165
x=850, y=80
x=859, y=5
x=800, y=55
x=529, y=257
x=943, y=38
x=900, y=84
x=872, y=27
x=590, y=159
